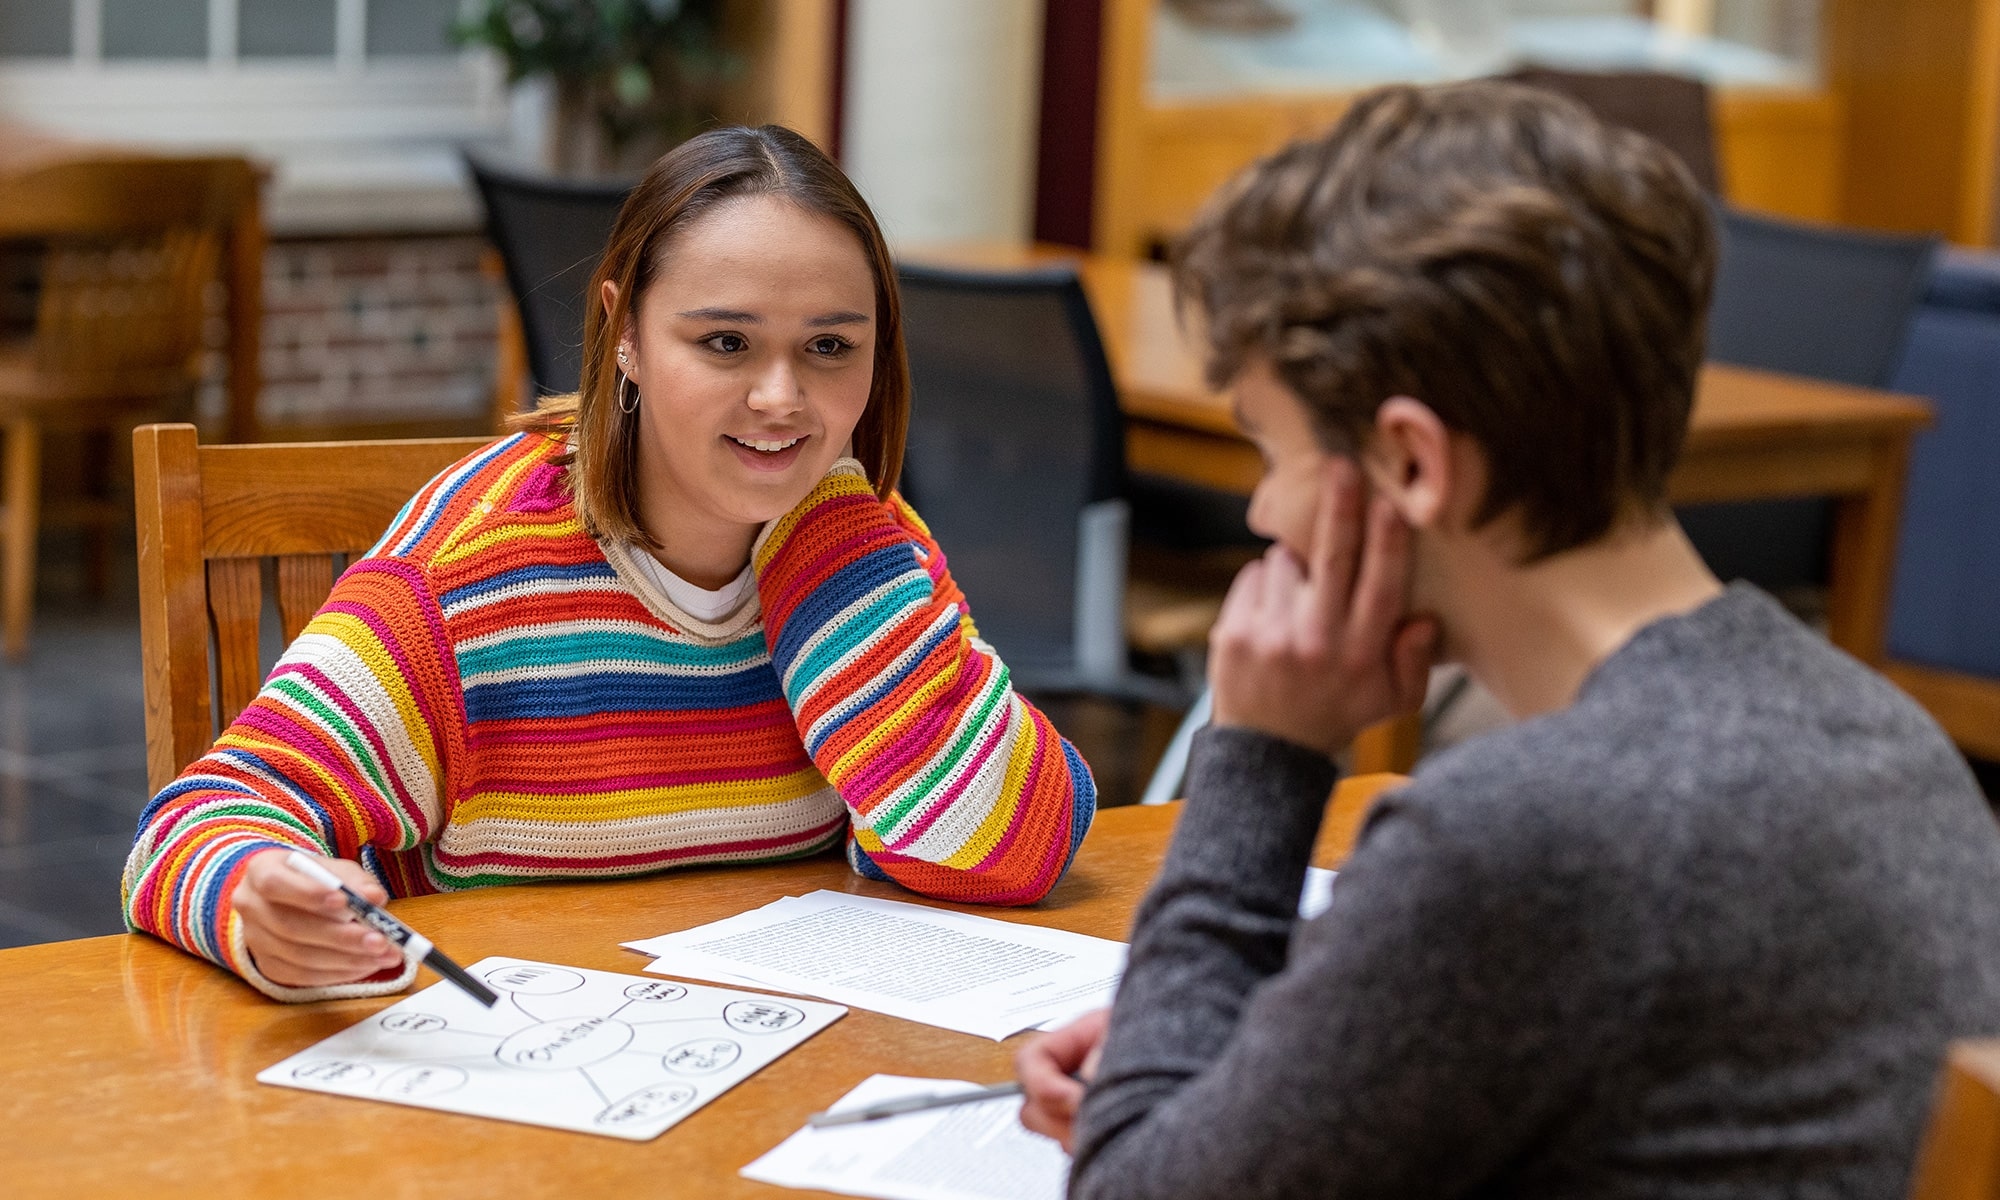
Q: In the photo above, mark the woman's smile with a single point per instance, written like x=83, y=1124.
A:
x=767, y=454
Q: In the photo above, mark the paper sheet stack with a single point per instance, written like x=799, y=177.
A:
x=973, y=974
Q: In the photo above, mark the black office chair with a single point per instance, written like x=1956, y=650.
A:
x=1808, y=300
x=550, y=234
x=1016, y=461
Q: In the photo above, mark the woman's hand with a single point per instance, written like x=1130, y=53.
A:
x=1053, y=1070
x=302, y=934
x=1316, y=651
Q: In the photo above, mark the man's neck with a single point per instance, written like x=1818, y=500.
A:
x=1533, y=634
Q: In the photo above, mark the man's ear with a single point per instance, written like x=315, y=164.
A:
x=1408, y=461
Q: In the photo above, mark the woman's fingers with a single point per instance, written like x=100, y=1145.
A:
x=279, y=965
x=327, y=931
x=300, y=931
x=280, y=884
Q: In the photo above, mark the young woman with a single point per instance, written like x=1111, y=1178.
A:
x=684, y=618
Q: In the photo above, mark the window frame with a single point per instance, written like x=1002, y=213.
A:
x=355, y=143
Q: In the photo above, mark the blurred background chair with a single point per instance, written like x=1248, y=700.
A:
x=1828, y=303
x=1674, y=110
x=550, y=234
x=1944, y=627
x=129, y=248
x=1016, y=461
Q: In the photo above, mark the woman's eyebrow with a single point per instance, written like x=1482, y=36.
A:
x=722, y=314
x=838, y=318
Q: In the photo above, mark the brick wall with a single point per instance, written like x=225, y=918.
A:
x=368, y=330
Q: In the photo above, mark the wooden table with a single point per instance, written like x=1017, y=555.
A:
x=1754, y=436
x=131, y=1066
x=24, y=148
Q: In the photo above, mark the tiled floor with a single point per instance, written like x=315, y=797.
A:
x=72, y=768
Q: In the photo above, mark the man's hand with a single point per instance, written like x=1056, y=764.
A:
x=300, y=932
x=1316, y=651
x=1050, y=1068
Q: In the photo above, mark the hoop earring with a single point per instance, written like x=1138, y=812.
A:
x=627, y=388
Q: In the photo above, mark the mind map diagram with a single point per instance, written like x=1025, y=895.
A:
x=565, y=1047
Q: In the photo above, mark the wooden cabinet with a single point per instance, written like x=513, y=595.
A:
x=1920, y=80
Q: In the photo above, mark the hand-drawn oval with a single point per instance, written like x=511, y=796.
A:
x=656, y=991
x=334, y=1070
x=424, y=1079
x=533, y=979
x=648, y=1104
x=761, y=1016
x=411, y=1022
x=564, y=1045
x=703, y=1056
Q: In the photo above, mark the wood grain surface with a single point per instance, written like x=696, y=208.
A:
x=130, y=1067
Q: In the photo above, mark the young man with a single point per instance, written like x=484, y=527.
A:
x=1703, y=922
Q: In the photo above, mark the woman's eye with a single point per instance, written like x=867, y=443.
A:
x=831, y=347
x=726, y=343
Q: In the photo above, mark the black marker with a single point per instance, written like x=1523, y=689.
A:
x=414, y=944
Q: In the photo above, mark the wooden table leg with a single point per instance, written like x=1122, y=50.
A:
x=23, y=485
x=1864, y=557
x=510, y=361
x=246, y=318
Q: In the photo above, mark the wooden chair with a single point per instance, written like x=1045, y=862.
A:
x=1961, y=1154
x=208, y=518
x=131, y=245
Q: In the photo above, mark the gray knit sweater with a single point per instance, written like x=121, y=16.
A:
x=1705, y=933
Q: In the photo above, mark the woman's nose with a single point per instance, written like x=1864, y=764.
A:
x=777, y=390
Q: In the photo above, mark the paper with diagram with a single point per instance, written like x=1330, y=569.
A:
x=969, y=1152
x=973, y=974
x=565, y=1047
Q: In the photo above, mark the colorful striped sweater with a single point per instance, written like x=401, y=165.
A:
x=492, y=695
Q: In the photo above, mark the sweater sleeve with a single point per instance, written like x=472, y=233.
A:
x=344, y=752
x=1405, y=1043
x=958, y=788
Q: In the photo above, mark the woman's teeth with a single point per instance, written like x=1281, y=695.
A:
x=766, y=447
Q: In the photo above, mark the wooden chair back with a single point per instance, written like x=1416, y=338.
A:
x=209, y=518
x=133, y=243
x=1961, y=1154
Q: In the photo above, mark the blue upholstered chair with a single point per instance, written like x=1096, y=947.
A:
x=1944, y=617
x=1810, y=300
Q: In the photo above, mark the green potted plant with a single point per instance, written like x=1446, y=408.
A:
x=631, y=77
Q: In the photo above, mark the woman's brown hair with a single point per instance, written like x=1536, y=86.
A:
x=693, y=178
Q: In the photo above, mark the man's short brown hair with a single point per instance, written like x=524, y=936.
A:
x=1538, y=278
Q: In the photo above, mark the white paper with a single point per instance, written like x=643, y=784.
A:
x=1318, y=892
x=967, y=1152
x=972, y=974
x=565, y=1047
